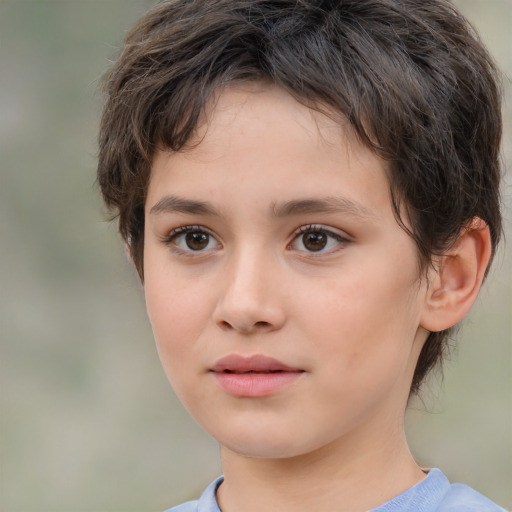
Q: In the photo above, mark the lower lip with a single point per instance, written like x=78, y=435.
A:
x=255, y=384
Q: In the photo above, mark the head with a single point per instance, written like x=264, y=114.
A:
x=409, y=79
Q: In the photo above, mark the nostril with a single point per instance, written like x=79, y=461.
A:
x=261, y=325
x=225, y=325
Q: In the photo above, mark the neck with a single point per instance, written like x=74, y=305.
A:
x=341, y=474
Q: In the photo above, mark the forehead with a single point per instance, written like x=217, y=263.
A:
x=250, y=129
x=255, y=109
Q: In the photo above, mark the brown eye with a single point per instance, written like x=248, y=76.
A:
x=191, y=239
x=319, y=239
x=315, y=241
x=197, y=240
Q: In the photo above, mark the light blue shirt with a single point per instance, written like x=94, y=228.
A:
x=433, y=494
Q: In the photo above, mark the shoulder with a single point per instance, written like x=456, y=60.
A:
x=188, y=506
x=206, y=503
x=436, y=494
x=462, y=498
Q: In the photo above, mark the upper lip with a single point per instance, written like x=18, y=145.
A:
x=257, y=363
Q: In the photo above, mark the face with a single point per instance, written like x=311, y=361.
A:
x=280, y=288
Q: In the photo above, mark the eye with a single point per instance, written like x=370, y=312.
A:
x=316, y=239
x=192, y=238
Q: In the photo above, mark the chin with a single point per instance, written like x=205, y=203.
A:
x=263, y=450
x=266, y=445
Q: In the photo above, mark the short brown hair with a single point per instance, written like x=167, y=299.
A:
x=411, y=76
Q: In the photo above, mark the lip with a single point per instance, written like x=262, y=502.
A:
x=253, y=376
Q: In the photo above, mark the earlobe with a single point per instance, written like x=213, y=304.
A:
x=128, y=253
x=129, y=256
x=454, y=285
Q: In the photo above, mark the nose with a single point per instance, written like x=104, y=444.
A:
x=251, y=300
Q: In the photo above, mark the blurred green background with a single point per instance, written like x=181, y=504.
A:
x=87, y=419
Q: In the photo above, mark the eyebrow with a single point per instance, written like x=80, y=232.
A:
x=323, y=205
x=175, y=204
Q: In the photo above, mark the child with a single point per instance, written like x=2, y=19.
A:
x=309, y=191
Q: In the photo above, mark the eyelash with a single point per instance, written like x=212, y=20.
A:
x=170, y=239
x=315, y=228
x=182, y=230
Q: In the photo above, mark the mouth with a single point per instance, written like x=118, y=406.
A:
x=237, y=364
x=254, y=376
x=252, y=371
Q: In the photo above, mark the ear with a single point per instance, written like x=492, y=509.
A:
x=128, y=252
x=454, y=285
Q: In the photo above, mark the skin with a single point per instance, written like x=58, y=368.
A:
x=352, y=316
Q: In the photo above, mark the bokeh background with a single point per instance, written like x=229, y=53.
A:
x=87, y=419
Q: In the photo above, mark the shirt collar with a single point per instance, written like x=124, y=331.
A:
x=425, y=496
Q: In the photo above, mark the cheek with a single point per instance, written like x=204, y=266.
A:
x=364, y=322
x=175, y=328
x=177, y=317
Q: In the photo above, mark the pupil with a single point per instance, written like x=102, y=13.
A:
x=197, y=240
x=314, y=241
